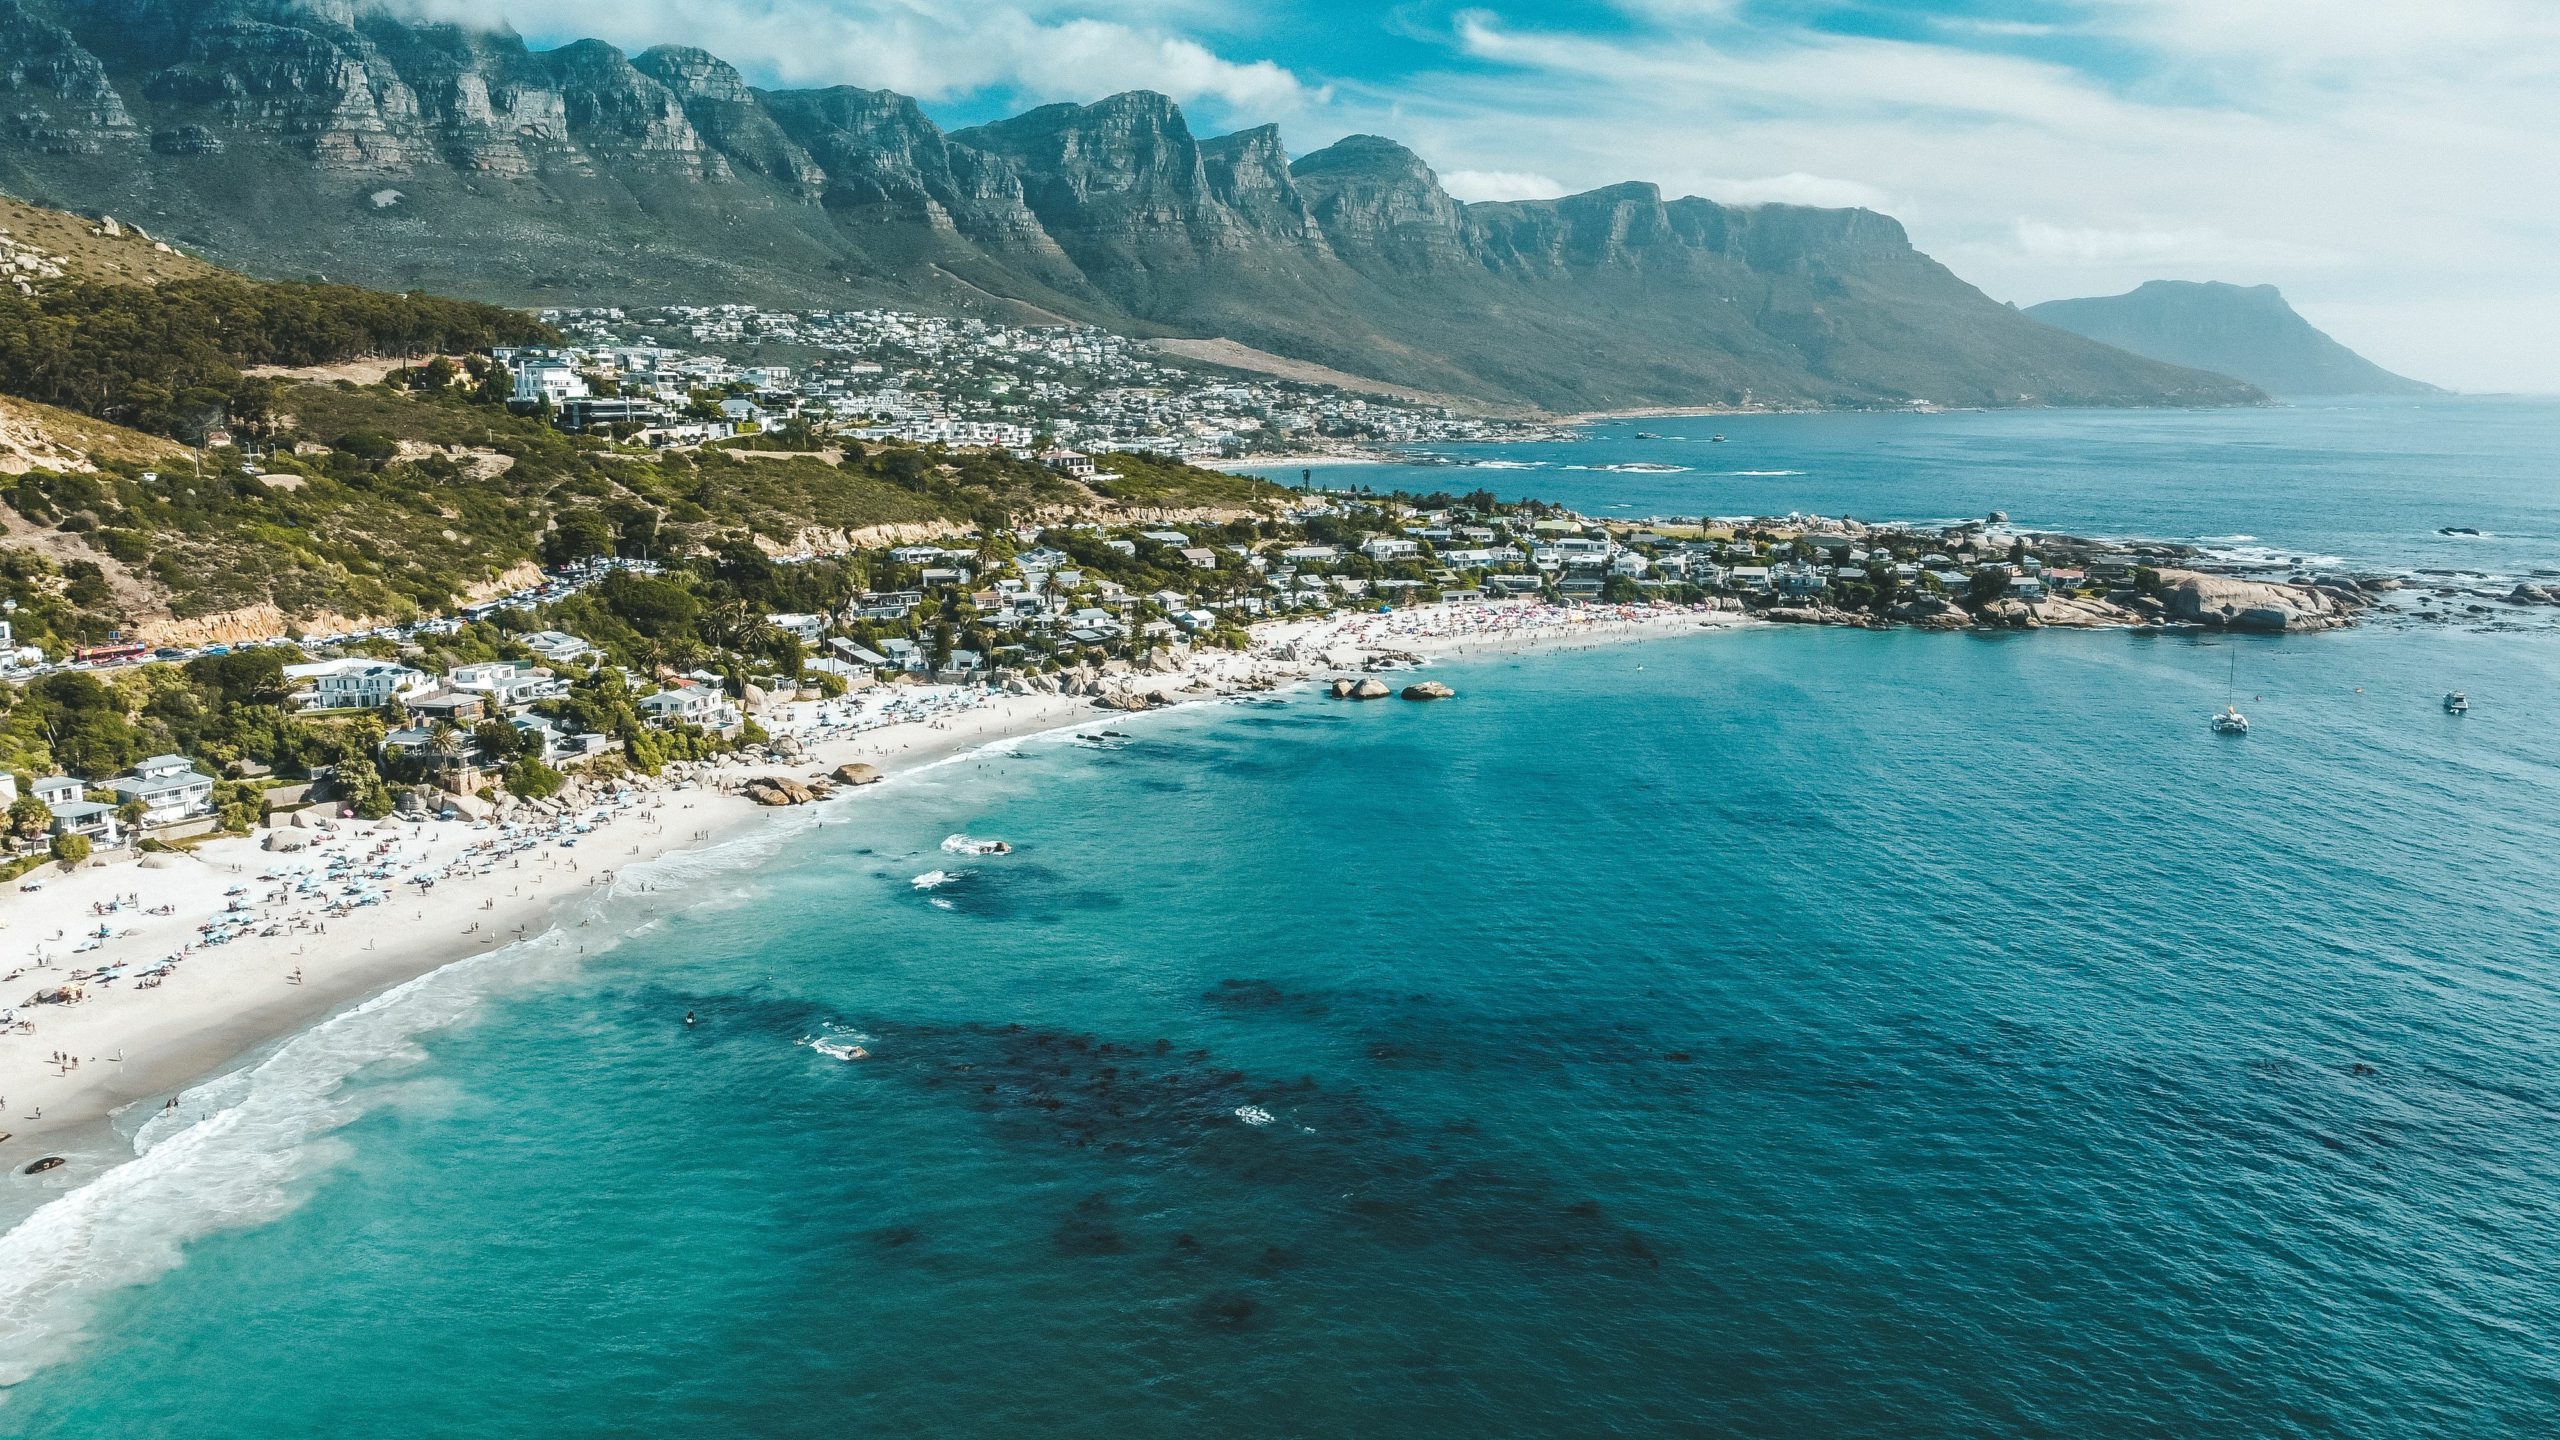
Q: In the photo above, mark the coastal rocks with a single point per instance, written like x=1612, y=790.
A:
x=854, y=772
x=779, y=790
x=1429, y=690
x=2006, y=615
x=2075, y=612
x=2224, y=603
x=1932, y=612
x=1367, y=687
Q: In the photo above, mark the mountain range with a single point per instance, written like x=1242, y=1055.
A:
x=295, y=138
x=2245, y=331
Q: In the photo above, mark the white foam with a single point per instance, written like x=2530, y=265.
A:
x=237, y=1149
x=231, y=1155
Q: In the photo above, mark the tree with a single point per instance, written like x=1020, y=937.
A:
x=657, y=607
x=1883, y=582
x=1990, y=583
x=529, y=779
x=498, y=740
x=29, y=818
x=577, y=535
x=70, y=849
x=446, y=745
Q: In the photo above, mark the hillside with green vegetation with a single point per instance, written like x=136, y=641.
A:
x=380, y=501
x=169, y=358
x=291, y=502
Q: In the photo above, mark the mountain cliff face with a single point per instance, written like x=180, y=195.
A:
x=2246, y=331
x=299, y=137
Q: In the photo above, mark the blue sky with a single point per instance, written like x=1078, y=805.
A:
x=2389, y=163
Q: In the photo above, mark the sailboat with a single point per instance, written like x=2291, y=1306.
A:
x=2231, y=721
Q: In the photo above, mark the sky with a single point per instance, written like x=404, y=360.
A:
x=2392, y=165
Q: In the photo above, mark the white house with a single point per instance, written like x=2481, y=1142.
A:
x=557, y=646
x=168, y=788
x=508, y=684
x=556, y=381
x=74, y=813
x=807, y=629
x=1383, y=548
x=690, y=705
x=357, y=683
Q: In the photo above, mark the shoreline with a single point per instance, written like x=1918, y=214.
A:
x=221, y=1008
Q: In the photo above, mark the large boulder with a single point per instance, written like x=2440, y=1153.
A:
x=854, y=772
x=2225, y=603
x=778, y=790
x=1429, y=690
x=1370, y=687
x=1340, y=690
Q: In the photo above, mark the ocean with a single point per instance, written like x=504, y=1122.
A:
x=1769, y=1033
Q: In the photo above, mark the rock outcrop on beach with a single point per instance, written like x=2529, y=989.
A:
x=373, y=143
x=1429, y=690
x=2223, y=602
x=854, y=772
x=779, y=790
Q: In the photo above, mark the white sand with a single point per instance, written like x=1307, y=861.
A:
x=127, y=1041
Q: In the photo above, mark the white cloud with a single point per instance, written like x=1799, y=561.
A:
x=930, y=49
x=1794, y=188
x=2041, y=241
x=1474, y=185
x=2381, y=171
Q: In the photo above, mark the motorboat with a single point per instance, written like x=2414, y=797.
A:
x=2230, y=722
x=2457, y=703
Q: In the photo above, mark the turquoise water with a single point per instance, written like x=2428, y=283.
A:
x=1781, y=1033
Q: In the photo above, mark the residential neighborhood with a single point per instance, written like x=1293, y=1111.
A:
x=687, y=374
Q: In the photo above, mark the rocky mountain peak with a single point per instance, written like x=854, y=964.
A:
x=1374, y=198
x=339, y=137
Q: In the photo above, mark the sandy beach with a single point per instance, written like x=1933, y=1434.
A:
x=127, y=981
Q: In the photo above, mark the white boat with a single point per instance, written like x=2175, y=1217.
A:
x=2230, y=722
x=2457, y=703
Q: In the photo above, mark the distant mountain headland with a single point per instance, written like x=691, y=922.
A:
x=2247, y=331
x=296, y=138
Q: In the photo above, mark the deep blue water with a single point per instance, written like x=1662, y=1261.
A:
x=1781, y=1033
x=2367, y=483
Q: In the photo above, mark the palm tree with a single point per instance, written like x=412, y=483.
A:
x=447, y=745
